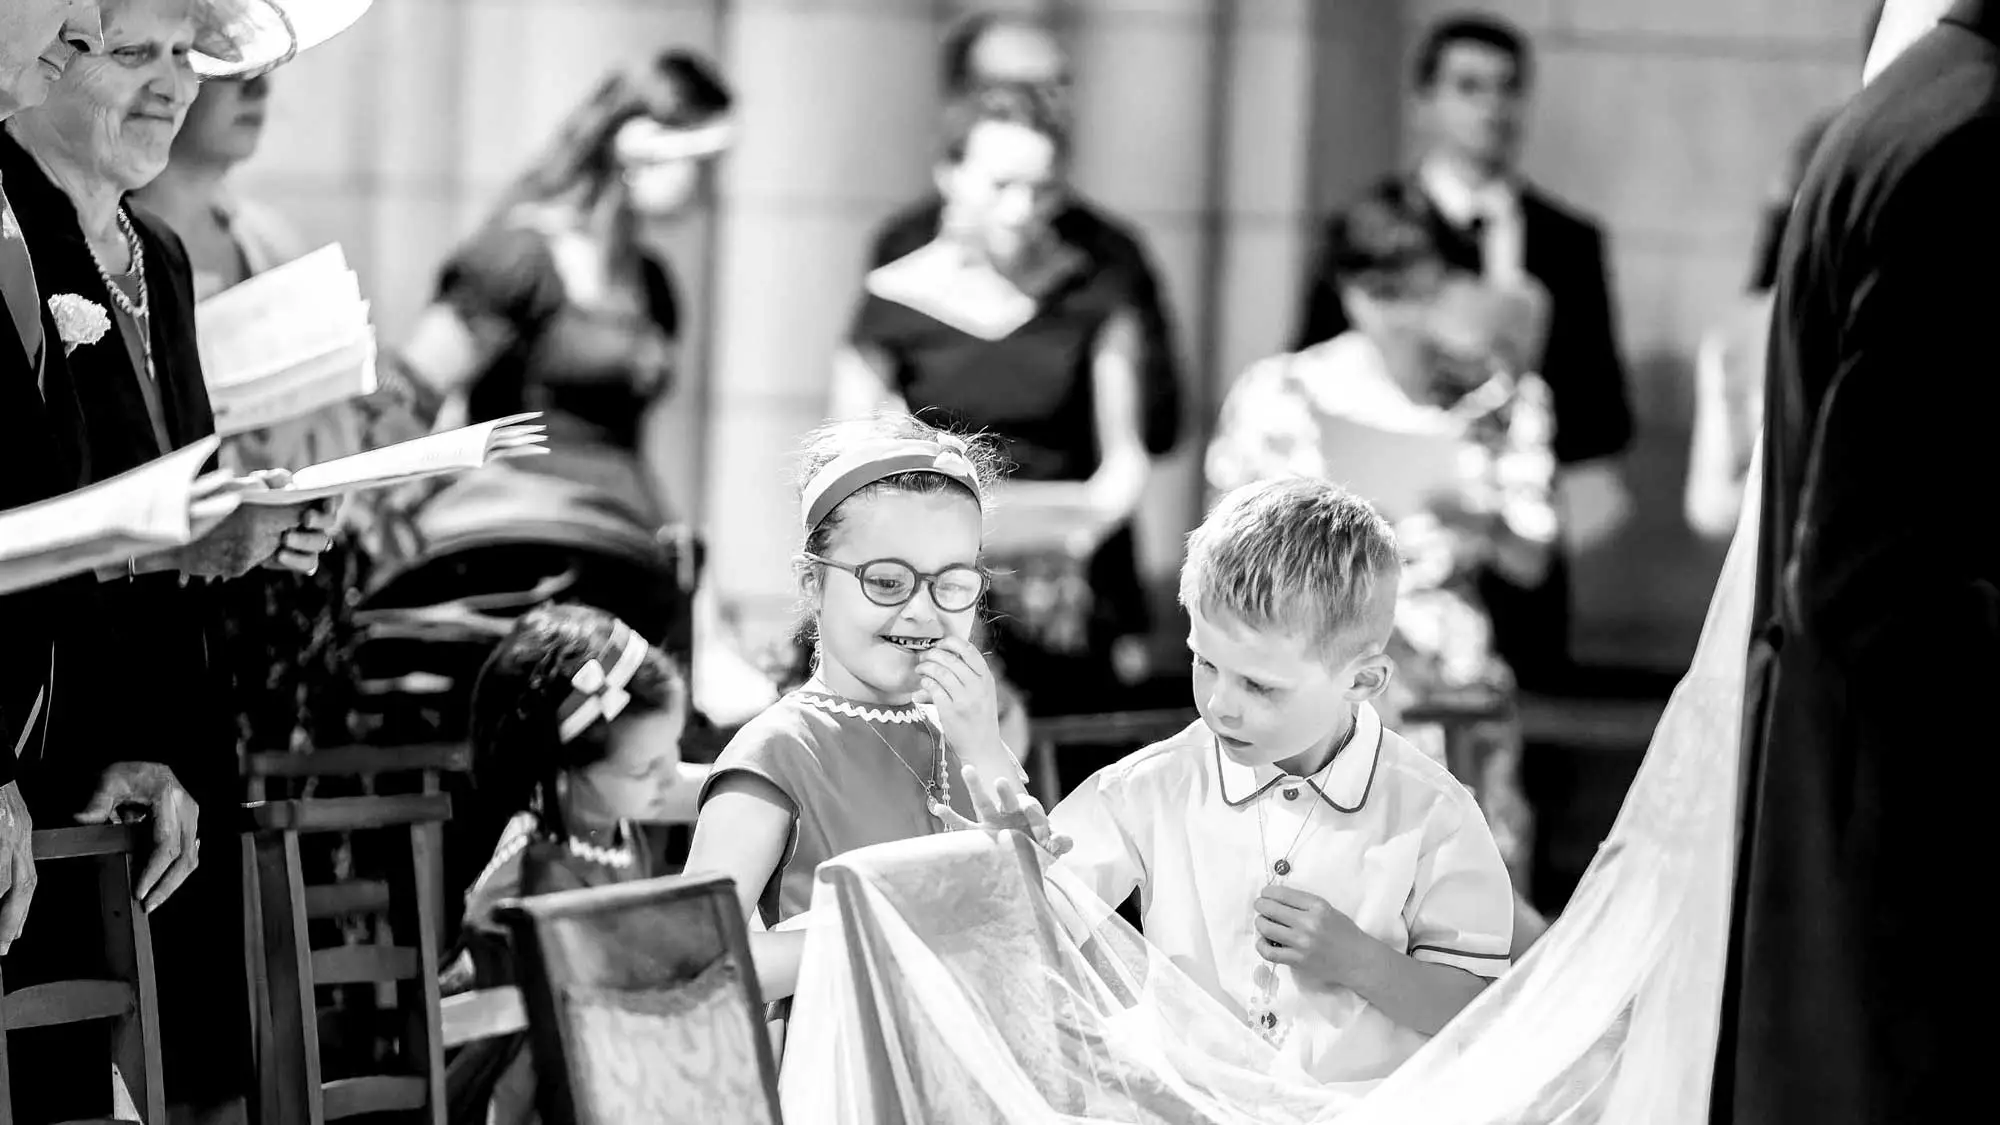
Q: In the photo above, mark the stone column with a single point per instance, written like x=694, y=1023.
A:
x=837, y=124
x=1148, y=121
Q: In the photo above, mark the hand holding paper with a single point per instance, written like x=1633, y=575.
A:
x=158, y=506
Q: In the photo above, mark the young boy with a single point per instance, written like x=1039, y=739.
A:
x=1317, y=873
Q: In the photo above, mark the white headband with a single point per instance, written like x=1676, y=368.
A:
x=643, y=140
x=599, y=694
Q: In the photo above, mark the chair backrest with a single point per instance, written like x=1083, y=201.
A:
x=128, y=999
x=643, y=1004
x=285, y=969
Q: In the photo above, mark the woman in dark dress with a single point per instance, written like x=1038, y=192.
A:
x=143, y=644
x=558, y=305
x=1000, y=325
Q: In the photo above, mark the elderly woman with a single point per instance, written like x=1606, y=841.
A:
x=141, y=648
x=288, y=640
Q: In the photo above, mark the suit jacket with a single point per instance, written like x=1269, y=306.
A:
x=133, y=650
x=1565, y=252
x=1869, y=751
x=1111, y=244
x=42, y=455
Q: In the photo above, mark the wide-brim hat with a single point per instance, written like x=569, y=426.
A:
x=247, y=38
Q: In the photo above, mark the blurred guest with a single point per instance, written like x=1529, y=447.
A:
x=1002, y=324
x=140, y=649
x=1729, y=367
x=1433, y=351
x=287, y=636
x=41, y=456
x=1472, y=78
x=988, y=50
x=559, y=305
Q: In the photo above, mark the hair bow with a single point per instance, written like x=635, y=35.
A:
x=597, y=694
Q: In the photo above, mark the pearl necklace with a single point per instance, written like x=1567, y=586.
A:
x=138, y=312
x=620, y=856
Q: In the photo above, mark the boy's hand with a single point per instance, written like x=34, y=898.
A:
x=954, y=678
x=1322, y=945
x=1005, y=807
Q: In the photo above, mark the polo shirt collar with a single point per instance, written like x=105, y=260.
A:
x=1347, y=781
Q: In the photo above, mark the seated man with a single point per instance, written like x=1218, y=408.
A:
x=1321, y=876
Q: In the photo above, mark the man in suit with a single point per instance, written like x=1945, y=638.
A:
x=1472, y=76
x=40, y=435
x=1856, y=990
x=988, y=50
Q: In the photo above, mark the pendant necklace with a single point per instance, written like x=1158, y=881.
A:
x=1263, y=1015
x=937, y=790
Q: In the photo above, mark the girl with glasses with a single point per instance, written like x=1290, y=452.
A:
x=872, y=747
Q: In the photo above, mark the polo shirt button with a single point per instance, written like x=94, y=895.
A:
x=1269, y=1020
x=1291, y=794
x=1282, y=867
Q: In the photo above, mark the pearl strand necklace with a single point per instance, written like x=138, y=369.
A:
x=139, y=311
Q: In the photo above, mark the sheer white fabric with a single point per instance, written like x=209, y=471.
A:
x=945, y=979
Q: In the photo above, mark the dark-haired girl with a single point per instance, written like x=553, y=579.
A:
x=576, y=724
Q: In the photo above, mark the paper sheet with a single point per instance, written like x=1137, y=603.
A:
x=153, y=507
x=452, y=451
x=1400, y=472
x=286, y=342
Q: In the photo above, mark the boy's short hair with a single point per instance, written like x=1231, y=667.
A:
x=1296, y=555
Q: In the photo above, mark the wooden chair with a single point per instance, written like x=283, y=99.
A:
x=129, y=999
x=359, y=903
x=286, y=970
x=643, y=1004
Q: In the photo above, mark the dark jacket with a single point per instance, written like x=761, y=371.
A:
x=1565, y=252
x=133, y=656
x=41, y=456
x=1856, y=988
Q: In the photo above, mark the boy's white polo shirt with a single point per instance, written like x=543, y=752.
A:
x=1389, y=838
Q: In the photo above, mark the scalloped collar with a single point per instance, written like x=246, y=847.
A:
x=904, y=713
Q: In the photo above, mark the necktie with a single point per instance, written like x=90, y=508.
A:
x=17, y=282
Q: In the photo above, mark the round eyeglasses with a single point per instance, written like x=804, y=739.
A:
x=893, y=582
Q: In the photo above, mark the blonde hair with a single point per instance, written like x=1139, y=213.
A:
x=1299, y=556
